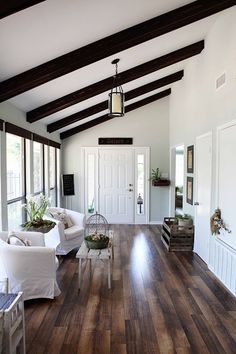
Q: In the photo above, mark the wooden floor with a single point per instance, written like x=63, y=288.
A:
x=160, y=302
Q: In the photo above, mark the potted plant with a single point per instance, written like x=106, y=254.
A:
x=156, y=179
x=184, y=220
x=97, y=241
x=36, y=208
x=155, y=176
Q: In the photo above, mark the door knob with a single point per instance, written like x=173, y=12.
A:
x=130, y=190
x=196, y=203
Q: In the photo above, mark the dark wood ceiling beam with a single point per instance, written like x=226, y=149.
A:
x=106, y=84
x=110, y=45
x=104, y=105
x=106, y=117
x=9, y=7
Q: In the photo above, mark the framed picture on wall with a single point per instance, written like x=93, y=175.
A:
x=189, y=194
x=190, y=159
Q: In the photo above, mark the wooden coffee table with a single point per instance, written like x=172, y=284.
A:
x=84, y=253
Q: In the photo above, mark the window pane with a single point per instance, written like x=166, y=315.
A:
x=52, y=167
x=14, y=167
x=38, y=167
x=91, y=182
x=15, y=215
x=53, y=197
x=140, y=184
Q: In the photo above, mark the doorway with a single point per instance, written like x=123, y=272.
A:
x=116, y=183
x=179, y=179
x=203, y=195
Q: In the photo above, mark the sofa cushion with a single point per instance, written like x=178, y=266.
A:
x=73, y=232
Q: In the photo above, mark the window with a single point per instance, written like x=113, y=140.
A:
x=91, y=183
x=53, y=175
x=38, y=167
x=15, y=180
x=140, y=183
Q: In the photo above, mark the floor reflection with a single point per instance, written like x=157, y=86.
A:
x=139, y=256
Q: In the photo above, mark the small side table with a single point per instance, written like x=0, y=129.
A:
x=88, y=254
x=12, y=315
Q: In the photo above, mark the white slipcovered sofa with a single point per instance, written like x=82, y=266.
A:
x=31, y=269
x=65, y=238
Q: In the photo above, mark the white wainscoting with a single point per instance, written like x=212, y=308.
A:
x=223, y=263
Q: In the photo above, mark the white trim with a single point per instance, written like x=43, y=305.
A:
x=172, y=177
x=143, y=219
x=155, y=222
x=198, y=138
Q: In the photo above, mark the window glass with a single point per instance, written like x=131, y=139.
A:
x=15, y=172
x=38, y=167
x=15, y=181
x=91, y=183
x=140, y=184
x=16, y=215
x=52, y=175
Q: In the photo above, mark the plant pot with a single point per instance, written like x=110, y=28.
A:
x=44, y=229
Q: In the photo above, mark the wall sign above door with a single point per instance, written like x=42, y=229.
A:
x=115, y=141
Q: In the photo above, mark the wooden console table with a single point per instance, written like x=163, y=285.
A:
x=84, y=253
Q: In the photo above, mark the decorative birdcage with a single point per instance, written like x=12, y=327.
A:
x=96, y=224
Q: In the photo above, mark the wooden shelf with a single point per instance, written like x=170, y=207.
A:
x=161, y=183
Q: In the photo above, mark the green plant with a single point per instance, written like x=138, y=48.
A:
x=155, y=175
x=36, y=208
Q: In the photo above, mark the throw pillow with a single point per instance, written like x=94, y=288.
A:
x=15, y=240
x=63, y=217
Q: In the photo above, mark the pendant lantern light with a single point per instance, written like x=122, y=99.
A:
x=116, y=101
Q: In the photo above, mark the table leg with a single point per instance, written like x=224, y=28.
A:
x=80, y=266
x=90, y=268
x=109, y=273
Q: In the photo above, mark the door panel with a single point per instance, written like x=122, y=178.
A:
x=115, y=174
x=203, y=195
x=226, y=181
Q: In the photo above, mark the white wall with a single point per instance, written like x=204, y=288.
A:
x=148, y=126
x=12, y=114
x=197, y=107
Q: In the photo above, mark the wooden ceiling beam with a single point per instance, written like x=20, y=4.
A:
x=106, y=84
x=106, y=117
x=110, y=45
x=9, y=7
x=104, y=105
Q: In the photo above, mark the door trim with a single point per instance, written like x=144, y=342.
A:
x=196, y=187
x=137, y=219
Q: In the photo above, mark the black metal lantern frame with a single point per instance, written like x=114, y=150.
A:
x=116, y=101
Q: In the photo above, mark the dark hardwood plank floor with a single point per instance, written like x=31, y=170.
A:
x=160, y=302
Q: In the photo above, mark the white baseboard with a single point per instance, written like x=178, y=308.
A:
x=155, y=222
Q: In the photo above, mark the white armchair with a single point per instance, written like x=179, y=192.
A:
x=30, y=269
x=65, y=239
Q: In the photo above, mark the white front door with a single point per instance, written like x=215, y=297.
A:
x=116, y=185
x=203, y=195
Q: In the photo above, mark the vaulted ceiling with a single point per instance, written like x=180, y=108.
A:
x=55, y=61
